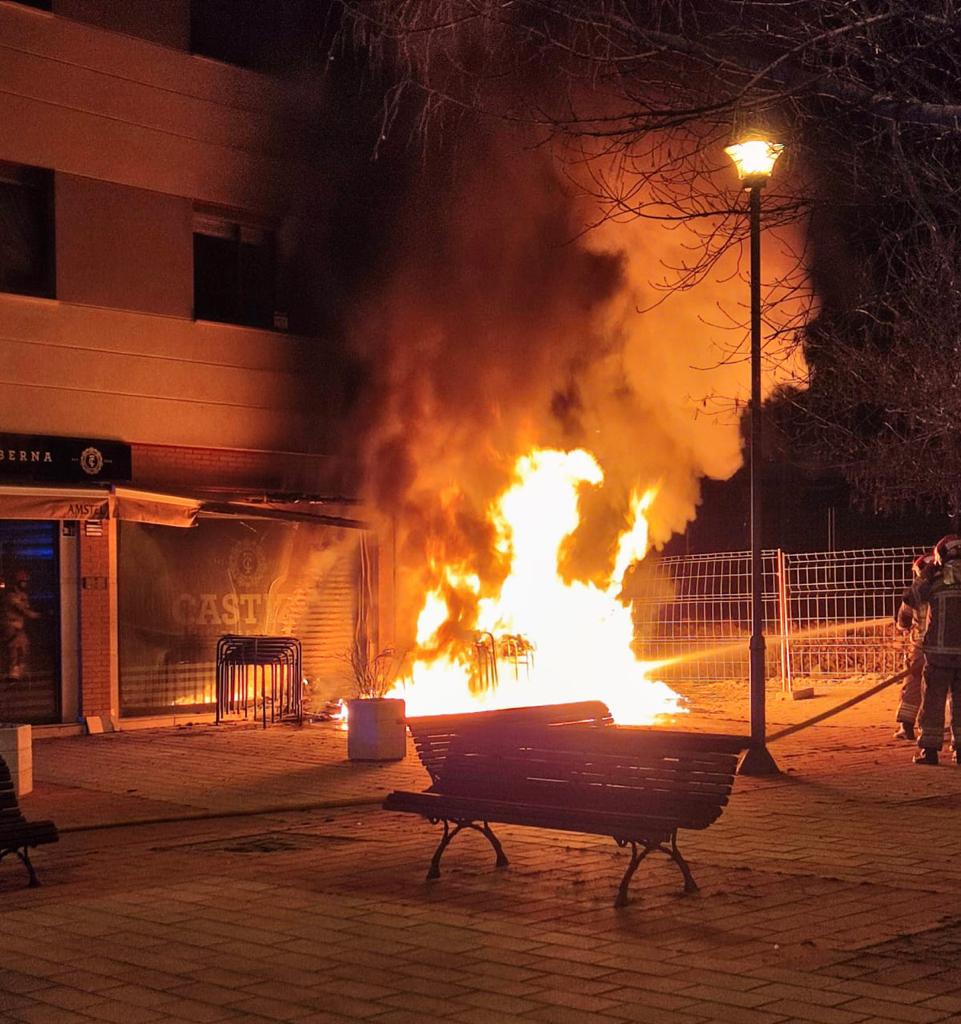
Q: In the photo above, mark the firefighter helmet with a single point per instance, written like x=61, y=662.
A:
x=947, y=549
x=922, y=564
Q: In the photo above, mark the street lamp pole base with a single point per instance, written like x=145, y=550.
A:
x=758, y=761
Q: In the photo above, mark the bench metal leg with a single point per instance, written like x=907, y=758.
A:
x=689, y=884
x=621, y=899
x=501, y=861
x=485, y=830
x=434, y=870
x=674, y=853
x=24, y=857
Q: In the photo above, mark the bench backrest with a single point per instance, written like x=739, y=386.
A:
x=10, y=813
x=433, y=734
x=682, y=777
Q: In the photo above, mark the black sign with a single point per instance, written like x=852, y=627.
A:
x=64, y=459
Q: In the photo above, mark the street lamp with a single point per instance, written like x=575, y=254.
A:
x=754, y=157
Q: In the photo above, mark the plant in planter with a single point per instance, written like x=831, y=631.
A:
x=376, y=724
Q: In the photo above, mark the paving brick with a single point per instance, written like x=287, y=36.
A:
x=647, y=997
x=14, y=981
x=742, y=1014
x=67, y=998
x=42, y=1014
x=895, y=1011
x=562, y=1015
x=272, y=1009
x=644, y=1014
x=816, y=1012
x=825, y=996
x=121, y=1013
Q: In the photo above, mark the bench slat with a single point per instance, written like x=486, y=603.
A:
x=600, y=796
x=576, y=711
x=597, y=795
x=30, y=834
x=565, y=763
x=506, y=770
x=656, y=823
x=632, y=740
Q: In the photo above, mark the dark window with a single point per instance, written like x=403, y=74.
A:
x=26, y=230
x=41, y=5
x=234, y=273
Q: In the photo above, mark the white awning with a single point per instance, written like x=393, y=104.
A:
x=135, y=506
x=150, y=507
x=53, y=503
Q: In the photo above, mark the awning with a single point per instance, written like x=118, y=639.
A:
x=151, y=507
x=250, y=510
x=53, y=503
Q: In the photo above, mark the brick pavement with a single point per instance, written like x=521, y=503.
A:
x=829, y=894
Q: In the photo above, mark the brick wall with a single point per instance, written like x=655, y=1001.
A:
x=187, y=469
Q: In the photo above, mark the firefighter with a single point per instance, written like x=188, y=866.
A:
x=14, y=613
x=923, y=567
x=941, y=675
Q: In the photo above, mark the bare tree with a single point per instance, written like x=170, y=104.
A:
x=639, y=98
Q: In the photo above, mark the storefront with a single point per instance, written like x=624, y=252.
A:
x=181, y=590
x=112, y=598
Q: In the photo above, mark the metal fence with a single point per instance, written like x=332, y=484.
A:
x=827, y=615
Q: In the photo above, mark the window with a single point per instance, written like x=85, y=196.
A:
x=234, y=273
x=26, y=230
x=41, y=5
x=30, y=614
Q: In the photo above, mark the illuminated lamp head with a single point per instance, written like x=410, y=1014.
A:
x=754, y=157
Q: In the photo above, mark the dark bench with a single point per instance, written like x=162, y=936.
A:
x=17, y=834
x=639, y=786
x=433, y=734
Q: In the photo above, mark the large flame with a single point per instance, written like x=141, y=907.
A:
x=581, y=633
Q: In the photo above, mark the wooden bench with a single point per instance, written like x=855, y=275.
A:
x=639, y=786
x=17, y=834
x=433, y=734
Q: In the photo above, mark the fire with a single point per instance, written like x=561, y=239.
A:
x=578, y=635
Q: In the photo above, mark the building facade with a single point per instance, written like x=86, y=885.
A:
x=169, y=470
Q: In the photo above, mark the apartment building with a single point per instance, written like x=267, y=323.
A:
x=168, y=469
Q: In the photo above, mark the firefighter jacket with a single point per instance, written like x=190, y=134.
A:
x=915, y=619
x=942, y=595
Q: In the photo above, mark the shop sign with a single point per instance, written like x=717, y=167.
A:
x=63, y=459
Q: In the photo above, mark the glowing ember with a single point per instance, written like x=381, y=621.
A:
x=581, y=634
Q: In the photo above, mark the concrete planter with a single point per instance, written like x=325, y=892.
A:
x=376, y=729
x=16, y=748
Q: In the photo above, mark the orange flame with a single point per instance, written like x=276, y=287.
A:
x=581, y=634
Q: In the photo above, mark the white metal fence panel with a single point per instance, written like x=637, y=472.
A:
x=826, y=614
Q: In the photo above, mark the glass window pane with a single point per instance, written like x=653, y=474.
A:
x=257, y=285
x=216, y=279
x=26, y=250
x=29, y=621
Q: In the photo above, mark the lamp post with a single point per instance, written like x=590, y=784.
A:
x=754, y=157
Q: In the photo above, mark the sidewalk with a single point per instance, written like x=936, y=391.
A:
x=828, y=894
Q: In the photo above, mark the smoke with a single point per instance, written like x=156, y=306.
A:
x=497, y=324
